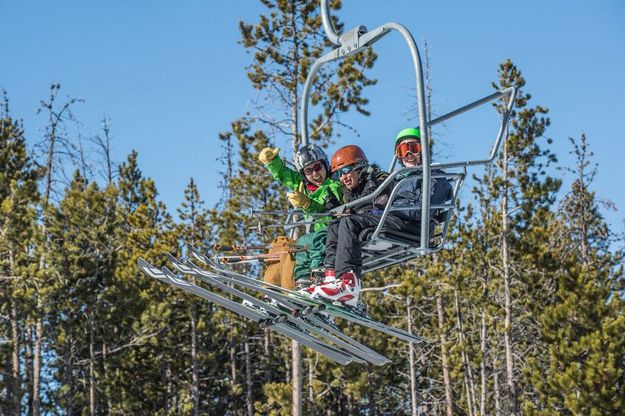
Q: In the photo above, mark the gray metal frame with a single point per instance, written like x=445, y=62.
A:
x=355, y=40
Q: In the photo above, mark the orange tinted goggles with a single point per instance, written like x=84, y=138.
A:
x=408, y=147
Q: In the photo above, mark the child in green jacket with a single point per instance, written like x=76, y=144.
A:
x=313, y=191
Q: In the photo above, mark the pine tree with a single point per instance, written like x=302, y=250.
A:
x=582, y=370
x=202, y=330
x=18, y=233
x=136, y=361
x=514, y=198
x=81, y=263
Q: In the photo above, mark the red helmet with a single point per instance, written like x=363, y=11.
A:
x=348, y=155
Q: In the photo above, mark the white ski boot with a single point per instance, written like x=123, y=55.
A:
x=345, y=289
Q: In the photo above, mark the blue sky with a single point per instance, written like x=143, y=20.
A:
x=170, y=75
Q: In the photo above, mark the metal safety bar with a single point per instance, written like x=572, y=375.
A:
x=511, y=92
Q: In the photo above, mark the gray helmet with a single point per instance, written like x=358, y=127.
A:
x=310, y=154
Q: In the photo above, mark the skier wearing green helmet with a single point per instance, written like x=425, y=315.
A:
x=408, y=152
x=410, y=141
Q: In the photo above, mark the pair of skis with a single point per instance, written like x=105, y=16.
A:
x=287, y=312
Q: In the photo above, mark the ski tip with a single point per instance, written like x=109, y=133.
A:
x=148, y=269
x=167, y=271
x=183, y=266
x=195, y=253
x=142, y=263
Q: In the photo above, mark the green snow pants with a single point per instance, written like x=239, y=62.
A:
x=305, y=261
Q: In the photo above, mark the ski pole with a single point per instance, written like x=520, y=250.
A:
x=237, y=259
x=234, y=247
x=295, y=211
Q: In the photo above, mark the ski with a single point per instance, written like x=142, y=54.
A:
x=283, y=311
x=307, y=304
x=286, y=329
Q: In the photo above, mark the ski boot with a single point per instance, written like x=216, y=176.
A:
x=344, y=290
x=322, y=275
x=317, y=277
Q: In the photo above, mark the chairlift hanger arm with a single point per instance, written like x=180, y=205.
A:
x=352, y=42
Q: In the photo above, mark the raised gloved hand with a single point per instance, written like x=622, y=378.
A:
x=298, y=198
x=268, y=154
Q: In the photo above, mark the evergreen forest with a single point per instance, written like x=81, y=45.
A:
x=521, y=313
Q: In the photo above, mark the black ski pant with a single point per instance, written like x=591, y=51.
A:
x=344, y=243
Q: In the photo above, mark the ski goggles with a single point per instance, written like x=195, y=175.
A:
x=345, y=170
x=408, y=147
x=317, y=167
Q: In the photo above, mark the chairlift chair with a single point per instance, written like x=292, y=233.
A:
x=385, y=247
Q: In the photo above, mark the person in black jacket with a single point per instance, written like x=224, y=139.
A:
x=343, y=257
x=343, y=261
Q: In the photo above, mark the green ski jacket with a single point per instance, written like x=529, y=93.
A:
x=327, y=196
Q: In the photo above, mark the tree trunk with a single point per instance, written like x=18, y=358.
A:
x=311, y=392
x=496, y=386
x=37, y=362
x=105, y=145
x=424, y=409
x=233, y=363
x=16, y=380
x=195, y=378
x=411, y=357
x=483, y=363
x=249, y=401
x=350, y=406
x=266, y=347
x=297, y=378
x=512, y=393
x=468, y=371
x=29, y=369
x=444, y=359
x=296, y=353
x=371, y=397
x=106, y=377
x=92, y=405
x=36, y=370
x=169, y=389
x=69, y=367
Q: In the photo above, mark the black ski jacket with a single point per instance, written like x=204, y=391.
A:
x=409, y=195
x=369, y=180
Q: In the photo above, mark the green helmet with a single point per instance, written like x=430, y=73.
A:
x=406, y=133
